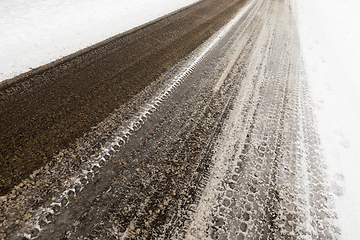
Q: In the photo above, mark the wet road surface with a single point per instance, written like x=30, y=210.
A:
x=222, y=145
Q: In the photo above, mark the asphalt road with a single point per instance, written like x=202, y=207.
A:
x=189, y=138
x=48, y=109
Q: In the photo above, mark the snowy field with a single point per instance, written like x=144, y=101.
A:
x=330, y=37
x=36, y=32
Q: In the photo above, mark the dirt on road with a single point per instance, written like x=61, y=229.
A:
x=46, y=110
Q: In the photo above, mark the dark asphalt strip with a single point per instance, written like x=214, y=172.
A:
x=46, y=110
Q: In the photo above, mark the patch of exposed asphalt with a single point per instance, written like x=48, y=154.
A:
x=46, y=110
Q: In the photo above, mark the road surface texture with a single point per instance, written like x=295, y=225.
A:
x=218, y=142
x=47, y=110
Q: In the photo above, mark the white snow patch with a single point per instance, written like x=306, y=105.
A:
x=37, y=32
x=330, y=38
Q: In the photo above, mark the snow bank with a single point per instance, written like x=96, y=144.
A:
x=330, y=37
x=36, y=32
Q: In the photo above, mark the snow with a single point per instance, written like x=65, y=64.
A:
x=330, y=41
x=37, y=32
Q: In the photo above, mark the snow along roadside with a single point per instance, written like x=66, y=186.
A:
x=35, y=33
x=330, y=36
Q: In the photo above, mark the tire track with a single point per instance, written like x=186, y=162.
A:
x=268, y=179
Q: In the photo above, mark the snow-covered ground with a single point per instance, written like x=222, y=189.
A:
x=330, y=37
x=36, y=32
